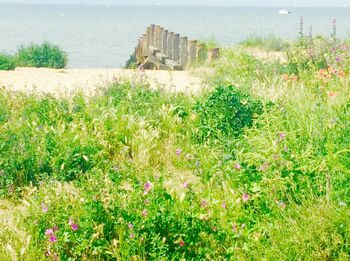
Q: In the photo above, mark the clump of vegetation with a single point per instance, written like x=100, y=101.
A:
x=44, y=55
x=269, y=43
x=225, y=113
x=7, y=62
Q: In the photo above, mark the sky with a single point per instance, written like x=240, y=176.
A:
x=193, y=2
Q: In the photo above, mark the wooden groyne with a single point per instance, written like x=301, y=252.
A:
x=163, y=50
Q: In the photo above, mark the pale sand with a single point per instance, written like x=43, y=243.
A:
x=67, y=81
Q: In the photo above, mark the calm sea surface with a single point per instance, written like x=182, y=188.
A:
x=102, y=36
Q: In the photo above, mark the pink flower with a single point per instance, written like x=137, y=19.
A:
x=238, y=166
x=245, y=197
x=44, y=208
x=55, y=228
x=74, y=227
x=282, y=135
x=223, y=205
x=53, y=239
x=148, y=186
x=132, y=235
x=48, y=232
x=178, y=152
x=144, y=213
x=185, y=185
x=181, y=243
x=130, y=226
x=70, y=221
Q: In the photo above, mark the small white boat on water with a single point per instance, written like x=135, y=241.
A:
x=284, y=12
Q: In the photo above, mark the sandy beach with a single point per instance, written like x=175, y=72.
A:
x=67, y=81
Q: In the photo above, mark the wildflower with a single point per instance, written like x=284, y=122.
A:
x=238, y=166
x=132, y=235
x=342, y=204
x=245, y=197
x=214, y=229
x=235, y=228
x=148, y=186
x=144, y=213
x=203, y=203
x=223, y=205
x=47, y=253
x=70, y=222
x=146, y=201
x=74, y=227
x=44, y=208
x=285, y=77
x=130, y=226
x=264, y=167
x=189, y=156
x=53, y=239
x=48, y=232
x=185, y=185
x=55, y=228
x=332, y=94
x=178, y=152
x=282, y=135
x=181, y=243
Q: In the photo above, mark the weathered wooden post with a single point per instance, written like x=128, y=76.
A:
x=184, y=52
x=160, y=37
x=165, y=42
x=201, y=54
x=153, y=31
x=170, y=52
x=213, y=54
x=148, y=37
x=192, y=49
x=157, y=39
x=177, y=48
x=144, y=45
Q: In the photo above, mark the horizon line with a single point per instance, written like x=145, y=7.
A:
x=181, y=5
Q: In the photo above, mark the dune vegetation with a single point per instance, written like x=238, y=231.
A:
x=256, y=168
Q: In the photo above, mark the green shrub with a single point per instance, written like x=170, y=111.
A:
x=45, y=55
x=7, y=62
x=225, y=113
x=269, y=43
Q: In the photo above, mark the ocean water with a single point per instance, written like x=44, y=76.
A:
x=105, y=36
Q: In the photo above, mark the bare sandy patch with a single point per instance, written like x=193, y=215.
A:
x=67, y=81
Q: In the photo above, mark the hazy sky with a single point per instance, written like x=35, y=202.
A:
x=193, y=2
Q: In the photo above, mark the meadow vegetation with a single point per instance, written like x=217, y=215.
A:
x=257, y=168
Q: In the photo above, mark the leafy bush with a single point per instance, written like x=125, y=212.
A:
x=7, y=62
x=225, y=113
x=45, y=55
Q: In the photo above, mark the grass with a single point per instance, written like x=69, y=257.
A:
x=256, y=168
x=269, y=43
x=44, y=55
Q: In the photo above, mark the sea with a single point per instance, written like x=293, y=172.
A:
x=104, y=36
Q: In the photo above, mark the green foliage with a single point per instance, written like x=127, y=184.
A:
x=120, y=175
x=270, y=43
x=7, y=62
x=225, y=113
x=45, y=55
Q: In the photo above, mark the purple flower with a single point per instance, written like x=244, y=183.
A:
x=48, y=232
x=223, y=205
x=53, y=239
x=185, y=185
x=148, y=186
x=245, y=197
x=130, y=226
x=44, y=208
x=74, y=227
x=178, y=152
x=282, y=135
